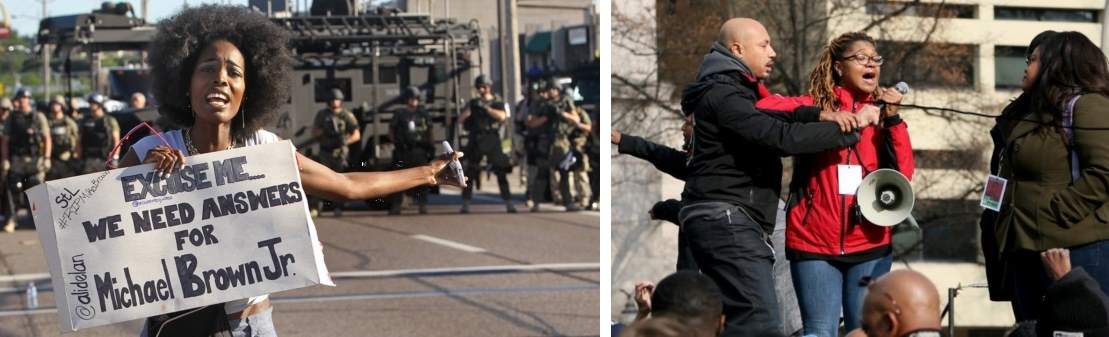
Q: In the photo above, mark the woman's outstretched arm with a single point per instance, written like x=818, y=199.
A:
x=322, y=182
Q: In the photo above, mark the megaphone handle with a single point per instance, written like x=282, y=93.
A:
x=859, y=158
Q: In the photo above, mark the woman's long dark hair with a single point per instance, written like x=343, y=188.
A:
x=1070, y=64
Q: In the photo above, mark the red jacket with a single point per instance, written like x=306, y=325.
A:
x=818, y=223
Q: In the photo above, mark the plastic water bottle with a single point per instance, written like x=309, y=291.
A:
x=32, y=296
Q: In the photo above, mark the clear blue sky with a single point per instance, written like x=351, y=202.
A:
x=27, y=13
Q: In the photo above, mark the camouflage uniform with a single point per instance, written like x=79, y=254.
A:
x=336, y=126
x=570, y=141
x=63, y=138
x=27, y=134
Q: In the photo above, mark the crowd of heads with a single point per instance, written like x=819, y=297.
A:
x=897, y=304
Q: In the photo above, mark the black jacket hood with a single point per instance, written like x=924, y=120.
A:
x=719, y=60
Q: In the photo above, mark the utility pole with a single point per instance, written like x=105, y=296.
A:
x=1105, y=29
x=144, y=18
x=510, y=65
x=45, y=62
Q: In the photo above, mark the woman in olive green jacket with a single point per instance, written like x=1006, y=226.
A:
x=1055, y=157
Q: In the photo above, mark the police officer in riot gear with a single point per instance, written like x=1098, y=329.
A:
x=573, y=135
x=482, y=120
x=6, y=108
x=63, y=138
x=98, y=135
x=26, y=151
x=412, y=146
x=335, y=128
x=537, y=144
x=520, y=137
x=562, y=123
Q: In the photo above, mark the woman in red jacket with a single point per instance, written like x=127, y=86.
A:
x=832, y=250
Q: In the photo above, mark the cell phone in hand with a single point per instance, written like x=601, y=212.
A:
x=454, y=164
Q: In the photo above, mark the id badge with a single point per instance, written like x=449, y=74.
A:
x=993, y=193
x=412, y=126
x=850, y=177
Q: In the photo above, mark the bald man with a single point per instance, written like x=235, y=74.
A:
x=902, y=303
x=734, y=172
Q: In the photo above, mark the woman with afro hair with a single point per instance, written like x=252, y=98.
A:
x=221, y=72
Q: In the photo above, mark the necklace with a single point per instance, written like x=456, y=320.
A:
x=192, y=148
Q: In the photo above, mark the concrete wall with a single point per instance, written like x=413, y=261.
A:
x=642, y=250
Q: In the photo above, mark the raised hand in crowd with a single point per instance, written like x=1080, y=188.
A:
x=643, y=292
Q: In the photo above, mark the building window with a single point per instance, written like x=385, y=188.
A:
x=953, y=11
x=931, y=65
x=1045, y=14
x=1009, y=64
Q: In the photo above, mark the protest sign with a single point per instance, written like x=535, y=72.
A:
x=129, y=243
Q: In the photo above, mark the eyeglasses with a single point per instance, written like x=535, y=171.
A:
x=861, y=59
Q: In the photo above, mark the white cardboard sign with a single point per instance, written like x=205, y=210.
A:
x=127, y=244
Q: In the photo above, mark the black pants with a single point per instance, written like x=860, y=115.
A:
x=486, y=145
x=734, y=251
x=17, y=183
x=685, y=253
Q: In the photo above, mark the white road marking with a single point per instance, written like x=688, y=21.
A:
x=449, y=243
x=373, y=296
x=25, y=277
x=468, y=270
x=450, y=271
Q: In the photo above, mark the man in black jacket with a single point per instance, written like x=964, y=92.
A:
x=734, y=173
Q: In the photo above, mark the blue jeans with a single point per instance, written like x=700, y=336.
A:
x=1030, y=280
x=825, y=287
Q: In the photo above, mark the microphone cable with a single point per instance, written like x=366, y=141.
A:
x=926, y=108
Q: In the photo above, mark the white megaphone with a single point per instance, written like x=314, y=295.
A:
x=885, y=197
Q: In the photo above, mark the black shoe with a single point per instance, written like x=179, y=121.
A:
x=465, y=209
x=423, y=209
x=572, y=208
x=510, y=208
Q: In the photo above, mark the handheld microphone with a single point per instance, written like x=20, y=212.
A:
x=454, y=164
x=901, y=87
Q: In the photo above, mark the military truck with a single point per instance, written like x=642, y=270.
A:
x=370, y=56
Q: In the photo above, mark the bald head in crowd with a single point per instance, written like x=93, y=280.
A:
x=750, y=42
x=900, y=303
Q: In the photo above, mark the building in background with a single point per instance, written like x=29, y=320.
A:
x=553, y=37
x=966, y=55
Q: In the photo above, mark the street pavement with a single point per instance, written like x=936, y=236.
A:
x=441, y=274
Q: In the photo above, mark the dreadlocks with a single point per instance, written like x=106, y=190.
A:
x=824, y=78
